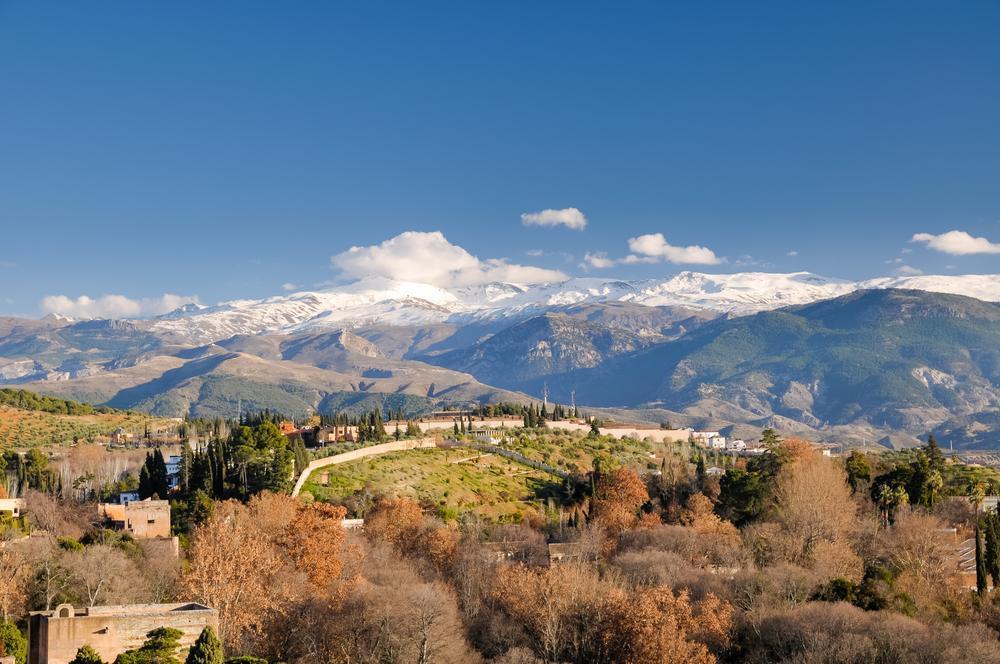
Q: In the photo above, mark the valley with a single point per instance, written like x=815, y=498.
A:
x=882, y=362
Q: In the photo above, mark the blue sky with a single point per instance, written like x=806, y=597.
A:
x=225, y=149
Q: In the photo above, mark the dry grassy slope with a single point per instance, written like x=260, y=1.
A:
x=28, y=428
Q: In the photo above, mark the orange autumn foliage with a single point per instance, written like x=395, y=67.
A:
x=618, y=496
x=570, y=613
x=397, y=521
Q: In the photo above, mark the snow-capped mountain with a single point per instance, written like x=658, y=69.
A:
x=384, y=301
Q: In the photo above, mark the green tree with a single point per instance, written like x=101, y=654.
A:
x=770, y=439
x=981, y=582
x=13, y=643
x=206, y=650
x=859, y=471
x=87, y=655
x=160, y=647
x=935, y=456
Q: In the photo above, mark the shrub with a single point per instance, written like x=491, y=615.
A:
x=206, y=650
x=12, y=642
x=86, y=655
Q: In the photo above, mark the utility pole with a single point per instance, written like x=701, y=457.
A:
x=545, y=396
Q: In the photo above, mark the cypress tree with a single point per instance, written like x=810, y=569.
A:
x=980, y=562
x=145, y=482
x=992, y=552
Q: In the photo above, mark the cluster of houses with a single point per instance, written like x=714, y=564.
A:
x=321, y=436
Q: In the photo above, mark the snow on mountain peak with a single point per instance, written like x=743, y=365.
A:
x=379, y=300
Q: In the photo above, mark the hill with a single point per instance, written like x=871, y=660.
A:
x=902, y=360
x=28, y=419
x=266, y=372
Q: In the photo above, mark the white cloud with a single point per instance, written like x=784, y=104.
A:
x=792, y=253
x=632, y=259
x=654, y=245
x=114, y=306
x=535, y=253
x=908, y=271
x=430, y=258
x=288, y=286
x=568, y=217
x=597, y=260
x=957, y=243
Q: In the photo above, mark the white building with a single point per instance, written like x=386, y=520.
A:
x=736, y=445
x=173, y=464
x=717, y=443
x=13, y=505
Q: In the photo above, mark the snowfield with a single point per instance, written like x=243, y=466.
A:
x=383, y=301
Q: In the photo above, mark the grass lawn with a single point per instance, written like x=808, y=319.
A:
x=457, y=480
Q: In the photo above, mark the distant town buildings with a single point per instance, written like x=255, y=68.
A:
x=121, y=437
x=142, y=519
x=13, y=521
x=55, y=636
x=12, y=507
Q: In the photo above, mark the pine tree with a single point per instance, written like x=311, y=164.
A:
x=206, y=650
x=935, y=457
x=456, y=427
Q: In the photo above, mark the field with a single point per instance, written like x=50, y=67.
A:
x=576, y=452
x=454, y=481
x=30, y=428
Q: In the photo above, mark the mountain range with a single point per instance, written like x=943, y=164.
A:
x=887, y=359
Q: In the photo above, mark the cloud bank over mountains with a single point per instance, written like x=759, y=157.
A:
x=429, y=258
x=114, y=306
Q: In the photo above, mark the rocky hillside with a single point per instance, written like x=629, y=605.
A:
x=908, y=361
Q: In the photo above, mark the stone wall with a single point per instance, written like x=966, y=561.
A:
x=361, y=453
x=55, y=636
x=638, y=433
